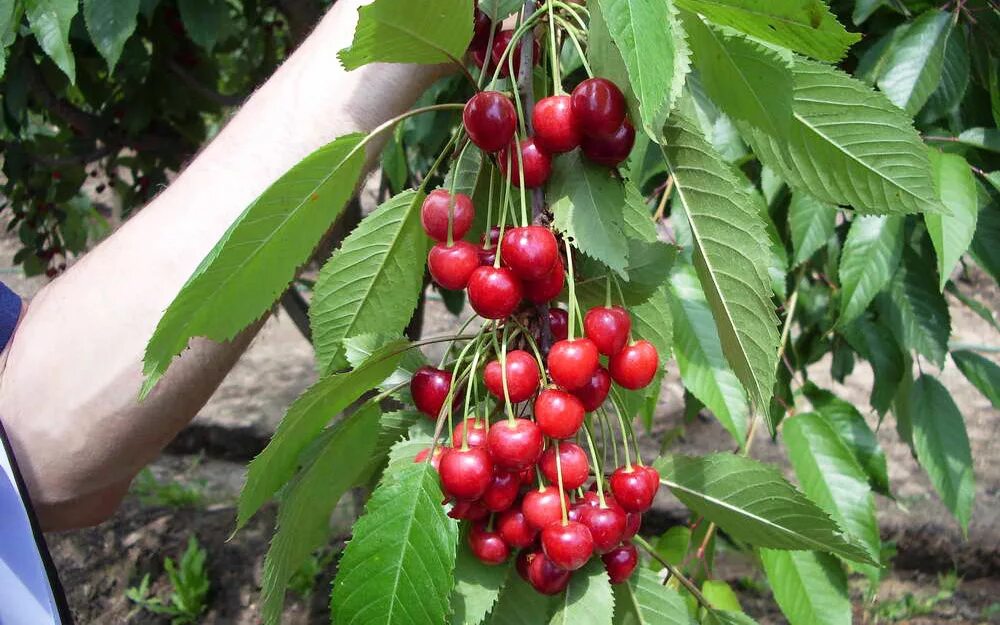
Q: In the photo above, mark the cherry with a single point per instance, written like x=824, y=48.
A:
x=481, y=24
x=466, y=473
x=434, y=215
x=522, y=376
x=594, y=392
x=541, y=507
x=491, y=238
x=515, y=445
x=435, y=459
x=531, y=252
x=652, y=475
x=558, y=413
x=452, y=266
x=559, y=324
x=631, y=487
x=487, y=545
x=474, y=429
x=635, y=366
x=468, y=511
x=514, y=528
x=598, y=107
x=607, y=526
x=612, y=149
x=545, y=576
x=490, y=119
x=547, y=287
x=494, y=292
x=568, y=545
x=502, y=491
x=620, y=562
x=571, y=363
x=500, y=43
x=523, y=561
x=536, y=162
x=572, y=461
x=487, y=256
x=429, y=388
x=555, y=126
x=608, y=328
x=633, y=521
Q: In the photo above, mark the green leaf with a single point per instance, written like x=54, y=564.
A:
x=730, y=254
x=702, y=365
x=418, y=437
x=360, y=348
x=952, y=234
x=720, y=595
x=811, y=224
x=520, y=604
x=257, y=257
x=982, y=372
x=651, y=320
x=477, y=587
x=942, y=446
x=304, y=514
x=915, y=310
x=849, y=145
x=954, y=79
x=753, y=503
x=870, y=256
x=303, y=422
x=588, y=599
x=403, y=31
x=722, y=617
x=672, y=546
x=204, y=20
x=637, y=219
x=877, y=345
x=810, y=587
x=984, y=312
x=806, y=26
x=749, y=81
x=985, y=248
x=111, y=23
x=373, y=282
x=586, y=200
x=50, y=21
x=464, y=175
x=393, y=426
x=863, y=9
x=913, y=69
x=644, y=601
x=398, y=568
x=982, y=138
x=499, y=9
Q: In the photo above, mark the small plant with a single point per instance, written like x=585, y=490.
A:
x=188, y=583
x=172, y=494
x=909, y=605
x=303, y=581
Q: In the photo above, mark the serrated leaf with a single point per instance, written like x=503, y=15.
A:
x=204, y=20
x=672, y=546
x=520, y=604
x=942, y=446
x=403, y=31
x=982, y=138
x=985, y=248
x=303, y=422
x=954, y=79
x=870, y=256
x=720, y=595
x=463, y=177
x=877, y=345
x=498, y=9
x=982, y=372
x=651, y=320
x=418, y=437
x=913, y=69
x=722, y=617
x=477, y=588
x=360, y=348
x=811, y=224
x=392, y=427
x=373, y=282
x=849, y=145
x=636, y=216
x=952, y=234
x=810, y=587
x=730, y=256
x=111, y=23
x=753, y=503
x=398, y=567
x=806, y=26
x=50, y=21
x=644, y=601
x=983, y=311
x=257, y=257
x=702, y=365
x=863, y=9
x=587, y=599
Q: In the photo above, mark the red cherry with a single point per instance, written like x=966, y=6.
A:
x=523, y=561
x=559, y=324
x=598, y=107
x=515, y=445
x=571, y=363
x=528, y=476
x=502, y=491
x=468, y=511
x=434, y=215
x=466, y=473
x=487, y=545
x=541, y=507
x=592, y=500
x=487, y=256
x=491, y=238
x=569, y=546
x=429, y=388
x=593, y=393
x=652, y=475
x=514, y=528
x=555, y=126
x=479, y=53
x=572, y=460
x=501, y=43
x=548, y=287
x=633, y=521
x=607, y=526
x=494, y=292
x=531, y=252
x=545, y=576
x=635, y=366
x=558, y=413
x=620, y=562
x=608, y=328
x=476, y=433
x=435, y=459
x=631, y=488
x=481, y=24
x=522, y=376
x=452, y=266
x=612, y=149
x=536, y=162
x=490, y=120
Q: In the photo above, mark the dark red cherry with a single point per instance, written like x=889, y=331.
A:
x=468, y=511
x=635, y=366
x=537, y=164
x=502, y=491
x=490, y=120
x=491, y=238
x=607, y=526
x=573, y=462
x=620, y=562
x=545, y=576
x=610, y=150
x=481, y=24
x=434, y=215
x=608, y=328
x=494, y=292
x=514, y=445
x=541, y=507
x=487, y=256
x=487, y=545
x=631, y=487
x=451, y=267
x=598, y=107
x=569, y=546
x=474, y=429
x=429, y=388
x=555, y=126
x=531, y=252
x=466, y=473
x=435, y=459
x=500, y=43
x=633, y=521
x=523, y=561
x=571, y=363
x=559, y=324
x=594, y=392
x=522, y=376
x=547, y=287
x=558, y=413
x=514, y=528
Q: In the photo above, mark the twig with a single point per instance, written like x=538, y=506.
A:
x=684, y=581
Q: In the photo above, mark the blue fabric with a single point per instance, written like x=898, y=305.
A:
x=10, y=311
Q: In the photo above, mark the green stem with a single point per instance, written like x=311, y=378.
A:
x=572, y=290
x=598, y=473
x=562, y=494
x=684, y=581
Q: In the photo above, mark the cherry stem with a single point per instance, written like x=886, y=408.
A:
x=556, y=79
x=572, y=291
x=684, y=581
x=489, y=56
x=534, y=349
x=598, y=473
x=562, y=493
x=454, y=339
x=626, y=430
x=468, y=397
x=489, y=214
x=576, y=44
x=503, y=372
x=607, y=290
x=505, y=204
x=525, y=26
x=520, y=179
x=606, y=435
x=451, y=197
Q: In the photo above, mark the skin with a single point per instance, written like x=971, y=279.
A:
x=72, y=373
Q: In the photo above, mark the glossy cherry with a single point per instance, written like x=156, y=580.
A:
x=598, y=107
x=429, y=388
x=559, y=414
x=471, y=432
x=531, y=252
x=468, y=511
x=547, y=287
x=514, y=445
x=568, y=545
x=593, y=393
x=490, y=120
x=558, y=324
x=610, y=150
x=545, y=576
x=555, y=126
x=502, y=491
x=541, y=507
x=572, y=362
x=487, y=545
x=434, y=214
x=608, y=328
x=514, y=528
x=522, y=376
x=572, y=461
x=466, y=473
x=491, y=238
x=481, y=24
x=632, y=489
x=435, y=459
x=633, y=521
x=537, y=164
x=452, y=266
x=500, y=43
x=606, y=524
x=494, y=292
x=620, y=562
x=635, y=366
x=652, y=476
